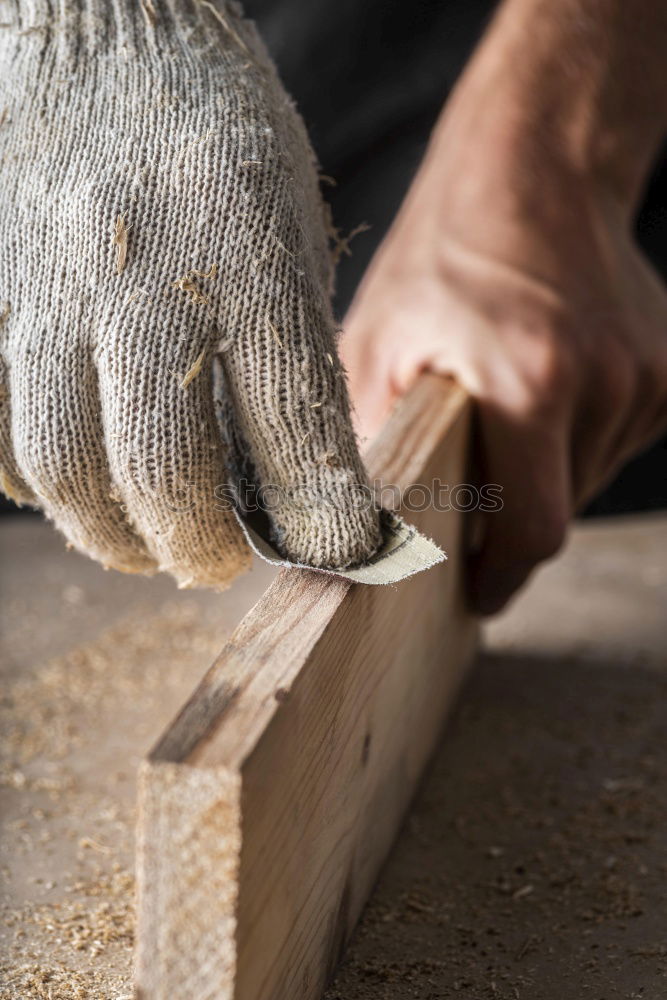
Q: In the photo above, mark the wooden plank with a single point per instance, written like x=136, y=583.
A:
x=268, y=806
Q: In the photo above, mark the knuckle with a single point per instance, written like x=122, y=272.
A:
x=548, y=368
x=556, y=355
x=558, y=369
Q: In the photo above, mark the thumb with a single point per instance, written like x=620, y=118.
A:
x=372, y=391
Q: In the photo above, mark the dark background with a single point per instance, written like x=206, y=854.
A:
x=370, y=78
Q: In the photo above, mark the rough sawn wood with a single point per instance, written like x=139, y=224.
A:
x=269, y=805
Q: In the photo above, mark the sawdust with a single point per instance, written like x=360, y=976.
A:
x=211, y=273
x=533, y=863
x=68, y=799
x=58, y=983
x=552, y=774
x=340, y=244
x=149, y=12
x=79, y=925
x=120, y=242
x=188, y=285
x=225, y=24
x=274, y=333
x=193, y=371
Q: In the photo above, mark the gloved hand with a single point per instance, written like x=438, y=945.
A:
x=161, y=230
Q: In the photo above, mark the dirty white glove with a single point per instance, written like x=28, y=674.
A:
x=161, y=230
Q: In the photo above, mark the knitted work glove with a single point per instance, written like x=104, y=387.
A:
x=165, y=278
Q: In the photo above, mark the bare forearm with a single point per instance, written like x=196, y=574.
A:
x=581, y=81
x=513, y=267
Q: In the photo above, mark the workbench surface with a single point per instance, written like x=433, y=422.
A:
x=533, y=864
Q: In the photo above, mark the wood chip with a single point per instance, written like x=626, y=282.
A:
x=149, y=12
x=193, y=371
x=186, y=284
x=225, y=24
x=274, y=333
x=120, y=242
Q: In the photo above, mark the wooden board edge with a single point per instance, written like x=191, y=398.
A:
x=398, y=456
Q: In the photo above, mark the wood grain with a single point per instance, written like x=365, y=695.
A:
x=268, y=806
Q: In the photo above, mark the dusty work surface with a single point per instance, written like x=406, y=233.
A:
x=533, y=865
x=534, y=862
x=93, y=665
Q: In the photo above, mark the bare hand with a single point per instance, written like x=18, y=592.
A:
x=510, y=270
